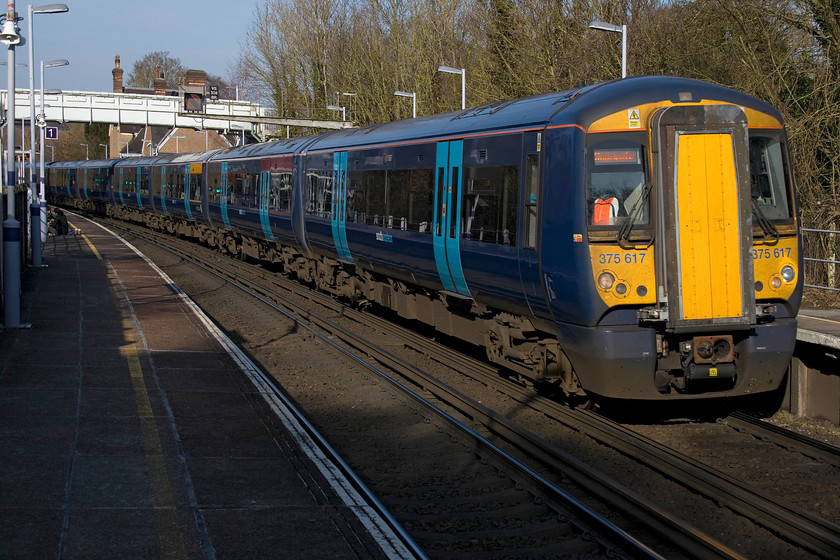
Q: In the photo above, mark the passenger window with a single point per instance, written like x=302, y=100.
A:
x=280, y=191
x=319, y=193
x=490, y=203
x=391, y=198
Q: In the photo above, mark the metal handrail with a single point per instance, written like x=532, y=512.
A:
x=818, y=260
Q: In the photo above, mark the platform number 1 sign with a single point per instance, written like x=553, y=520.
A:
x=51, y=132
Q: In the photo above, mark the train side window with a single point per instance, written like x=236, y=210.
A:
x=157, y=182
x=768, y=177
x=143, y=180
x=490, y=204
x=280, y=191
x=195, y=186
x=532, y=191
x=319, y=193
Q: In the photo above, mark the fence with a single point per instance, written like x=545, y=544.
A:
x=821, y=273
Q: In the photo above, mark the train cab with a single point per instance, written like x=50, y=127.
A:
x=693, y=242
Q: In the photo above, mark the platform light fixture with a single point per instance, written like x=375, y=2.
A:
x=42, y=123
x=413, y=97
x=11, y=227
x=177, y=146
x=603, y=26
x=463, y=73
x=37, y=198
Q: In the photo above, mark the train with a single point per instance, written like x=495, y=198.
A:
x=635, y=239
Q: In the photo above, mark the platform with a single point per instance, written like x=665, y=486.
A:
x=819, y=326
x=129, y=428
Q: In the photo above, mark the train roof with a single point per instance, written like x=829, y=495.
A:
x=267, y=149
x=82, y=163
x=580, y=106
x=535, y=110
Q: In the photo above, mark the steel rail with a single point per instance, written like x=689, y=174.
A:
x=366, y=494
x=803, y=444
x=307, y=318
x=675, y=530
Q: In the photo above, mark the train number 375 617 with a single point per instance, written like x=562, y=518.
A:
x=618, y=258
x=777, y=253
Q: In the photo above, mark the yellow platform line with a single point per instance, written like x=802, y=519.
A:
x=163, y=503
x=821, y=319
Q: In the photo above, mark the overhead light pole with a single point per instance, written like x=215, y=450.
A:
x=11, y=227
x=597, y=24
x=351, y=95
x=34, y=201
x=463, y=73
x=177, y=147
x=413, y=97
x=42, y=123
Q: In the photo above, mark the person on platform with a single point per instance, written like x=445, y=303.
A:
x=58, y=224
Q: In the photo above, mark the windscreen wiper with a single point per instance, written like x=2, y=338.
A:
x=765, y=224
x=623, y=236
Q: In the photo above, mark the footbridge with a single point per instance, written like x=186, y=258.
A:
x=159, y=110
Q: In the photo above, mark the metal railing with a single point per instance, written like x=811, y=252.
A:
x=822, y=269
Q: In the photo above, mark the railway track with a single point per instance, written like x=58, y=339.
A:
x=811, y=533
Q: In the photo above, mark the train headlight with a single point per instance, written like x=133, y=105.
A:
x=606, y=280
x=776, y=282
x=788, y=273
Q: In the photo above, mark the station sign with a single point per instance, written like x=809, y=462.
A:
x=51, y=132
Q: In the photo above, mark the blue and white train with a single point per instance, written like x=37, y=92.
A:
x=636, y=239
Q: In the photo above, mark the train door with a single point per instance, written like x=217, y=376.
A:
x=339, y=206
x=264, y=192
x=163, y=189
x=445, y=226
x=187, y=190
x=120, y=187
x=84, y=188
x=137, y=187
x=224, y=194
x=706, y=275
x=529, y=265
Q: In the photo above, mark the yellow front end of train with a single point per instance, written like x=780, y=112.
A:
x=693, y=224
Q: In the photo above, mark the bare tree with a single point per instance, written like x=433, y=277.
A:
x=143, y=71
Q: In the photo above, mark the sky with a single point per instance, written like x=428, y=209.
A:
x=203, y=34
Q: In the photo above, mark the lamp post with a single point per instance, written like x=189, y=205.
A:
x=351, y=95
x=41, y=204
x=337, y=108
x=11, y=227
x=413, y=97
x=597, y=24
x=106, y=149
x=86, y=150
x=43, y=123
x=463, y=72
x=177, y=148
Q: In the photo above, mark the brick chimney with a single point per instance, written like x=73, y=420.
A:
x=196, y=78
x=160, y=84
x=117, y=73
